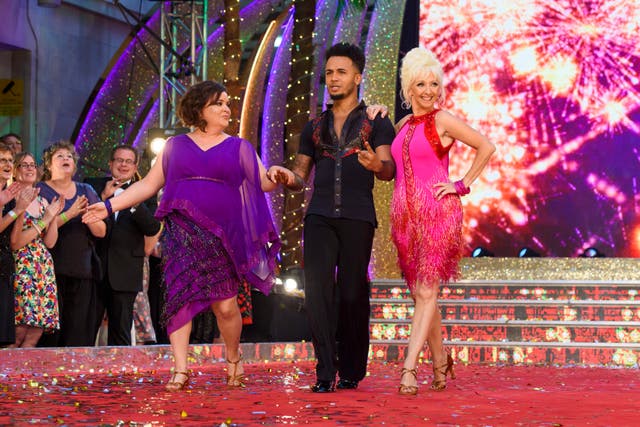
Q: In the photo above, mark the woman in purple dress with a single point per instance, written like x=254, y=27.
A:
x=217, y=227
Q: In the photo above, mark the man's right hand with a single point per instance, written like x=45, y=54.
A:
x=110, y=188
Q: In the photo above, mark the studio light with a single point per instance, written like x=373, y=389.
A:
x=291, y=282
x=157, y=137
x=526, y=252
x=481, y=252
x=291, y=285
x=592, y=252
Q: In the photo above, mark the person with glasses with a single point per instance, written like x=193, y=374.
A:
x=76, y=262
x=35, y=230
x=122, y=251
x=14, y=199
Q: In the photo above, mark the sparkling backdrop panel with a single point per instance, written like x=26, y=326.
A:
x=555, y=86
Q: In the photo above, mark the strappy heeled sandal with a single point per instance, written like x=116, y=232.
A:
x=447, y=368
x=408, y=390
x=174, y=385
x=235, y=380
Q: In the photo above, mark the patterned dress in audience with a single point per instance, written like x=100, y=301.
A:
x=36, y=295
x=145, y=333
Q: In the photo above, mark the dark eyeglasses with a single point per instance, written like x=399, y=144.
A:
x=27, y=165
x=125, y=161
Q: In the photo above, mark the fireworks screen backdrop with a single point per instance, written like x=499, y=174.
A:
x=555, y=85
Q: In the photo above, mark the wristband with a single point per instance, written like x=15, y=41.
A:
x=63, y=217
x=12, y=214
x=107, y=205
x=461, y=189
x=41, y=224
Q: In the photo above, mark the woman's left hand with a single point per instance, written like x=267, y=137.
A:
x=375, y=109
x=441, y=189
x=281, y=175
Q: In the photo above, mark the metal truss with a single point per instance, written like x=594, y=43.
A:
x=183, y=53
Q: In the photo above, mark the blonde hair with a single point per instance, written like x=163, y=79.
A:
x=419, y=61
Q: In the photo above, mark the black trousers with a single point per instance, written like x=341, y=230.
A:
x=77, y=302
x=120, y=315
x=336, y=258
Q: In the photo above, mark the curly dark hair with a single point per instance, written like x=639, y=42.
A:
x=193, y=102
x=50, y=151
x=351, y=51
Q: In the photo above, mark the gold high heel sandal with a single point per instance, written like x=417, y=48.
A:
x=234, y=380
x=439, y=385
x=408, y=390
x=173, y=385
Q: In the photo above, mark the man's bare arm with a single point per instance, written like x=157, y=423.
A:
x=301, y=168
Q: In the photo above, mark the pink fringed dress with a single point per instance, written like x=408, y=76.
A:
x=426, y=231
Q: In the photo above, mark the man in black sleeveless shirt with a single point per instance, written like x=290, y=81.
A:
x=347, y=150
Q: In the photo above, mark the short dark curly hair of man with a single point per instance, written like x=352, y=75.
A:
x=195, y=99
x=135, y=152
x=351, y=51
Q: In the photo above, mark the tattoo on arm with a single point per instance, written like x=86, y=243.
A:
x=301, y=168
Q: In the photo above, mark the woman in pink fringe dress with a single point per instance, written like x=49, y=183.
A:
x=426, y=213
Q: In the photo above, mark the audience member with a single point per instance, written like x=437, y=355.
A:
x=77, y=265
x=35, y=230
x=10, y=211
x=122, y=250
x=13, y=141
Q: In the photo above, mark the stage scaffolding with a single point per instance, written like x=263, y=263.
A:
x=182, y=23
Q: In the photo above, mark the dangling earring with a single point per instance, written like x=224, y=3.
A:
x=406, y=104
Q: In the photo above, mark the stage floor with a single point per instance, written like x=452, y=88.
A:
x=278, y=393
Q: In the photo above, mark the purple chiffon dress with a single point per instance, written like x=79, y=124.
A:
x=218, y=229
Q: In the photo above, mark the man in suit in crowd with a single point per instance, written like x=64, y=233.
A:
x=122, y=249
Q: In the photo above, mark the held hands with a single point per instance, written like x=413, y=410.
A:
x=369, y=159
x=110, y=188
x=94, y=213
x=373, y=110
x=281, y=175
